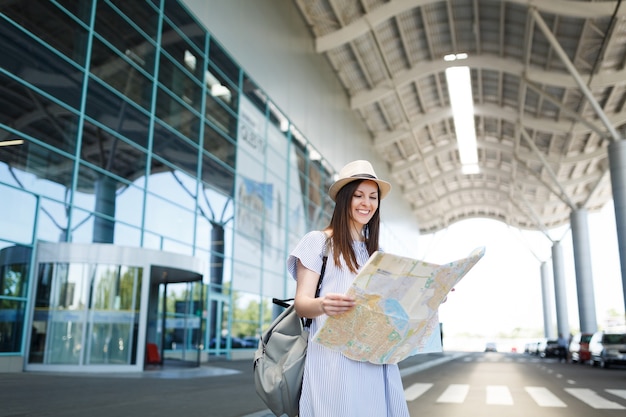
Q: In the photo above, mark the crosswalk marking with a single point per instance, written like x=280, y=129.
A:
x=618, y=392
x=543, y=397
x=499, y=395
x=591, y=398
x=415, y=391
x=455, y=394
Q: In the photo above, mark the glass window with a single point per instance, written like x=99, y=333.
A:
x=38, y=169
x=64, y=332
x=52, y=223
x=114, y=112
x=179, y=83
x=17, y=213
x=181, y=51
x=119, y=32
x=36, y=115
x=80, y=9
x=219, y=145
x=174, y=185
x=11, y=325
x=115, y=313
x=178, y=116
x=173, y=149
x=220, y=116
x=186, y=24
x=123, y=234
x=120, y=74
x=14, y=262
x=169, y=220
x=114, y=201
x=222, y=91
x=67, y=308
x=219, y=59
x=51, y=25
x=141, y=13
x=112, y=154
x=217, y=176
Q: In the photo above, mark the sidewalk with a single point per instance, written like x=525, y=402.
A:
x=219, y=388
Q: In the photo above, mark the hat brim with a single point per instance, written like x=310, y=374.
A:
x=383, y=186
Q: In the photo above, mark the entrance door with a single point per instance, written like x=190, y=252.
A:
x=175, y=318
x=85, y=314
x=96, y=307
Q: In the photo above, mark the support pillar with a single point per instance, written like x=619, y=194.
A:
x=584, y=275
x=548, y=304
x=105, y=196
x=560, y=295
x=617, y=165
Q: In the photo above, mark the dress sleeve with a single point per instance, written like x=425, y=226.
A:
x=310, y=251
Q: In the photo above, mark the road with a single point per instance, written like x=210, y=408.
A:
x=498, y=384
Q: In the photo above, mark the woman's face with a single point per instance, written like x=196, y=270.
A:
x=364, y=203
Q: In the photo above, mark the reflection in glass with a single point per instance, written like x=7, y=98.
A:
x=115, y=112
x=11, y=324
x=174, y=149
x=185, y=23
x=121, y=73
x=141, y=14
x=51, y=25
x=68, y=329
x=115, y=314
x=169, y=220
x=172, y=77
x=178, y=116
x=17, y=214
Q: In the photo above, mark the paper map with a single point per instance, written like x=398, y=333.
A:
x=397, y=299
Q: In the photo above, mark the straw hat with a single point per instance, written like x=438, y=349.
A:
x=358, y=170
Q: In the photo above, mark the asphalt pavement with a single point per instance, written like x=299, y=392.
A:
x=218, y=388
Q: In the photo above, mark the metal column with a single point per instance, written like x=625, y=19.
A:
x=548, y=301
x=560, y=294
x=584, y=275
x=617, y=163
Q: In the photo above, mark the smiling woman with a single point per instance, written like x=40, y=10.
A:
x=334, y=384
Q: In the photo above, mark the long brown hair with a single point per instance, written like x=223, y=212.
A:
x=340, y=225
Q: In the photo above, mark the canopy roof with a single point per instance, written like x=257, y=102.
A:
x=549, y=90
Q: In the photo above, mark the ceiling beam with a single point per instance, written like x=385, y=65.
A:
x=379, y=15
x=484, y=62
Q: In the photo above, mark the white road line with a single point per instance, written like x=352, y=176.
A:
x=619, y=392
x=499, y=395
x=592, y=399
x=543, y=397
x=416, y=390
x=455, y=393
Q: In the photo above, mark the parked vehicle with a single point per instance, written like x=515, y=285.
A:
x=491, y=347
x=608, y=348
x=548, y=348
x=579, y=348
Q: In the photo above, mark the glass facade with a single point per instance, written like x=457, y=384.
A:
x=126, y=123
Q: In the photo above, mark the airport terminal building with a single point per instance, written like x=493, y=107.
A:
x=151, y=183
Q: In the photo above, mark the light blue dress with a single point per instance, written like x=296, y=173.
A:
x=334, y=385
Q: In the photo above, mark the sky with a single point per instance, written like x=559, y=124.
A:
x=503, y=291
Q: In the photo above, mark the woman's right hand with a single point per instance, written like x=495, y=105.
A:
x=333, y=304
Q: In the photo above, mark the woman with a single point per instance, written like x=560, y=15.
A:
x=334, y=385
